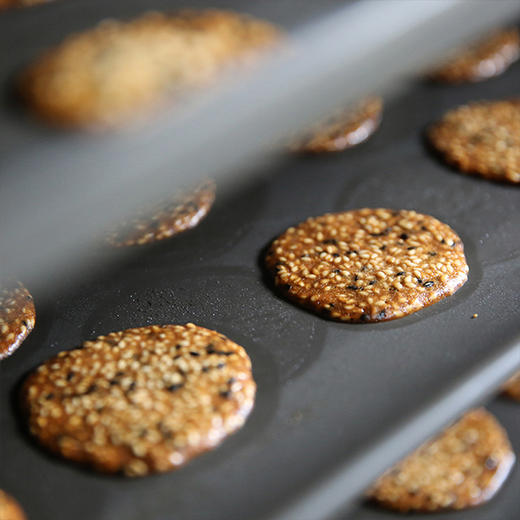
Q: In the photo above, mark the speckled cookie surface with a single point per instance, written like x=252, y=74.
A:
x=464, y=466
x=344, y=130
x=481, y=138
x=482, y=60
x=140, y=401
x=9, y=508
x=178, y=214
x=512, y=387
x=17, y=317
x=117, y=70
x=368, y=264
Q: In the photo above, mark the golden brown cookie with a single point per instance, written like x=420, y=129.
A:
x=140, y=401
x=17, y=316
x=462, y=467
x=486, y=58
x=117, y=70
x=481, y=138
x=368, y=264
x=178, y=214
x=512, y=387
x=344, y=130
x=9, y=508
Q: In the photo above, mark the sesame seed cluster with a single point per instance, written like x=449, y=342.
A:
x=345, y=129
x=9, y=508
x=483, y=60
x=481, y=138
x=368, y=264
x=17, y=317
x=178, y=214
x=103, y=76
x=464, y=466
x=512, y=387
x=140, y=401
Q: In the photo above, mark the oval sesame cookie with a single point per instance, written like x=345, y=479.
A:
x=482, y=60
x=368, y=264
x=9, y=508
x=462, y=467
x=17, y=317
x=512, y=387
x=344, y=130
x=481, y=138
x=110, y=73
x=140, y=401
x=180, y=213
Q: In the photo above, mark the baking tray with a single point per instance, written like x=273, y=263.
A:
x=328, y=393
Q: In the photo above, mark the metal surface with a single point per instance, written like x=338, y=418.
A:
x=336, y=402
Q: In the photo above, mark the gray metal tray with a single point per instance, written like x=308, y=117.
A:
x=330, y=395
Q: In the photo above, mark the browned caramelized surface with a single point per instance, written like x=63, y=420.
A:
x=481, y=138
x=178, y=214
x=17, y=317
x=109, y=73
x=9, y=508
x=345, y=129
x=482, y=60
x=462, y=467
x=368, y=264
x=512, y=387
x=142, y=400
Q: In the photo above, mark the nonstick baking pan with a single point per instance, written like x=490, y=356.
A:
x=336, y=402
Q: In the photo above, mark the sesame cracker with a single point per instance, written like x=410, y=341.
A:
x=142, y=400
x=464, y=466
x=112, y=73
x=177, y=214
x=368, y=264
x=9, y=508
x=17, y=317
x=481, y=138
x=344, y=130
x=482, y=60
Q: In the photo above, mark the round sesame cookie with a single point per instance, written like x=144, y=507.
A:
x=512, y=387
x=109, y=74
x=17, y=317
x=344, y=130
x=486, y=58
x=9, y=508
x=462, y=467
x=368, y=264
x=178, y=214
x=481, y=138
x=140, y=401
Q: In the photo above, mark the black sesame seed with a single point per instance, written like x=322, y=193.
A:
x=332, y=241
x=432, y=253
x=337, y=271
x=25, y=324
x=70, y=375
x=403, y=236
x=352, y=287
x=356, y=278
x=383, y=247
x=132, y=386
x=372, y=282
x=419, y=280
x=429, y=283
x=231, y=380
x=364, y=317
x=210, y=349
x=178, y=347
x=226, y=394
x=114, y=382
x=49, y=396
x=424, y=228
x=120, y=374
x=91, y=388
x=490, y=463
x=400, y=273
x=443, y=241
x=411, y=247
x=173, y=388
x=194, y=354
x=221, y=365
x=335, y=254
x=381, y=315
x=205, y=369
